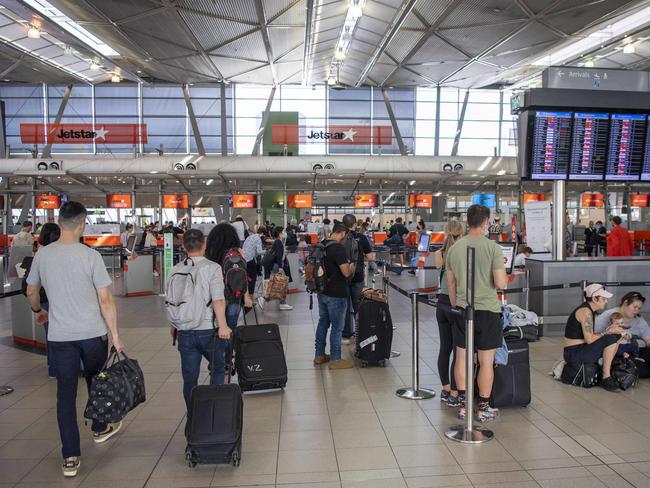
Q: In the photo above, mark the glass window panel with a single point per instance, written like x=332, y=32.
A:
x=425, y=128
x=247, y=126
x=426, y=94
x=117, y=106
x=254, y=92
x=448, y=129
x=445, y=146
x=165, y=126
x=116, y=90
x=482, y=130
x=483, y=96
x=245, y=144
x=449, y=111
x=80, y=108
x=476, y=147
x=425, y=110
x=290, y=92
x=450, y=95
x=482, y=111
x=162, y=91
x=349, y=108
x=206, y=107
x=425, y=146
x=350, y=94
x=170, y=107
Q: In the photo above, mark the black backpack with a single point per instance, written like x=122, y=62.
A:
x=316, y=278
x=581, y=374
x=235, y=277
x=625, y=372
x=351, y=245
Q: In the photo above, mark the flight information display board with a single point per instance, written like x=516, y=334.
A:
x=626, y=141
x=589, y=146
x=645, y=171
x=551, y=146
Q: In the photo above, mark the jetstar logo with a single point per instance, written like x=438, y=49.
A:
x=82, y=134
x=359, y=135
x=348, y=135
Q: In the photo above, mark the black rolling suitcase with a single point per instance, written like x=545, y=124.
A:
x=259, y=357
x=512, y=381
x=214, y=423
x=374, y=332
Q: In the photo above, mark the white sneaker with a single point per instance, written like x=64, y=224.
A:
x=285, y=306
x=156, y=274
x=260, y=302
x=346, y=341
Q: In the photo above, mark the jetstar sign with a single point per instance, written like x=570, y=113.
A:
x=83, y=133
x=378, y=135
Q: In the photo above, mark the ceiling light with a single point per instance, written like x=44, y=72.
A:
x=331, y=80
x=68, y=50
x=356, y=9
x=339, y=55
x=589, y=63
x=209, y=182
x=412, y=182
x=629, y=49
x=34, y=32
x=437, y=194
x=116, y=78
x=153, y=172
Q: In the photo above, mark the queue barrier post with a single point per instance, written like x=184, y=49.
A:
x=384, y=285
x=415, y=392
x=527, y=290
x=469, y=433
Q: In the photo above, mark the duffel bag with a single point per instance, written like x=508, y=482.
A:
x=581, y=374
x=625, y=372
x=527, y=332
x=116, y=390
x=374, y=295
x=277, y=287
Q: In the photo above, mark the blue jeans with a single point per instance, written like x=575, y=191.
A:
x=353, y=309
x=194, y=345
x=68, y=356
x=330, y=311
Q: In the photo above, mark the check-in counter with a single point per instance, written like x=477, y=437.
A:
x=24, y=329
x=138, y=276
x=554, y=306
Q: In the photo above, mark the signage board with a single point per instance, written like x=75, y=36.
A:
x=365, y=201
x=595, y=79
x=244, y=201
x=301, y=200
x=48, y=202
x=176, y=201
x=639, y=200
x=378, y=135
x=119, y=200
x=83, y=133
x=420, y=201
x=591, y=200
x=534, y=197
x=538, y=225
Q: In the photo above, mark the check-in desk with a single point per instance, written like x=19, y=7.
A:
x=24, y=329
x=554, y=306
x=138, y=275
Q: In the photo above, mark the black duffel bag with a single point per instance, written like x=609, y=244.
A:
x=527, y=332
x=116, y=390
x=581, y=374
x=625, y=372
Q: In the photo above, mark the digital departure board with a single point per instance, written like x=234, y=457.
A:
x=589, y=146
x=626, y=141
x=645, y=171
x=551, y=146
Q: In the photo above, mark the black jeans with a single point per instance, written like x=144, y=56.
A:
x=67, y=357
x=446, y=318
x=353, y=309
x=252, y=271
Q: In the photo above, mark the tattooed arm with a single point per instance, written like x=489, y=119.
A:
x=586, y=319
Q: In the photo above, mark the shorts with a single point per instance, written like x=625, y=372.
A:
x=589, y=353
x=488, y=333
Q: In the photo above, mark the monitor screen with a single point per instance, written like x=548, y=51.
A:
x=244, y=201
x=423, y=245
x=487, y=199
x=508, y=250
x=626, y=140
x=645, y=171
x=589, y=146
x=551, y=146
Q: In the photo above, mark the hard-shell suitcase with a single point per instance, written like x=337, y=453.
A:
x=374, y=333
x=512, y=381
x=214, y=425
x=259, y=357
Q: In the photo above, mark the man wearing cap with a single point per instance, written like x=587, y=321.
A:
x=582, y=344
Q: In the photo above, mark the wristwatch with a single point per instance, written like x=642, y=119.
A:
x=37, y=311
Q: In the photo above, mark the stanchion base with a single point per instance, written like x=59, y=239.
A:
x=419, y=394
x=395, y=354
x=478, y=435
x=5, y=390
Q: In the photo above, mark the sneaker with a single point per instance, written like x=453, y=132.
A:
x=445, y=396
x=341, y=364
x=346, y=341
x=322, y=359
x=261, y=302
x=71, y=466
x=285, y=306
x=486, y=412
x=156, y=274
x=110, y=431
x=456, y=401
x=609, y=384
x=462, y=411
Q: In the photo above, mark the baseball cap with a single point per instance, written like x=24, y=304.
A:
x=597, y=290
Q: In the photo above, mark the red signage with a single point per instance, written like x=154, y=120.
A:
x=365, y=201
x=243, y=201
x=299, y=201
x=639, y=200
x=379, y=135
x=83, y=133
x=118, y=200
x=48, y=202
x=593, y=200
x=176, y=201
x=420, y=201
x=534, y=197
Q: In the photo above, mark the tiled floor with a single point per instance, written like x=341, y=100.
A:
x=328, y=429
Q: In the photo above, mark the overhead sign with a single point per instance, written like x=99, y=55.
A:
x=83, y=133
x=365, y=201
x=595, y=79
x=299, y=201
x=378, y=135
x=48, y=202
x=592, y=200
x=420, y=201
x=639, y=200
x=118, y=200
x=243, y=201
x=176, y=201
x=534, y=197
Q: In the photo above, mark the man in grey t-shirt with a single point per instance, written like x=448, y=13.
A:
x=81, y=309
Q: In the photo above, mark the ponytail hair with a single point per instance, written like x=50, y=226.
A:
x=454, y=230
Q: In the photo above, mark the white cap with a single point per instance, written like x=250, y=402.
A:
x=597, y=290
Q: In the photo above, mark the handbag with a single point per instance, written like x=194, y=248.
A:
x=268, y=259
x=277, y=287
x=116, y=390
x=581, y=374
x=625, y=372
x=528, y=332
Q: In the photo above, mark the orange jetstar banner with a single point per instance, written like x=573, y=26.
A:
x=534, y=197
x=118, y=200
x=420, y=201
x=299, y=201
x=365, y=201
x=48, y=202
x=378, y=135
x=593, y=200
x=243, y=201
x=639, y=200
x=176, y=201
x=83, y=133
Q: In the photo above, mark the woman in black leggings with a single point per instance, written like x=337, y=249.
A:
x=447, y=317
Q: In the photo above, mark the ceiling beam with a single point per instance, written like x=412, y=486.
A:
x=261, y=17
x=141, y=15
x=13, y=66
x=52, y=185
x=85, y=180
x=309, y=21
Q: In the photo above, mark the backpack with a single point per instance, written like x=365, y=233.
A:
x=185, y=305
x=581, y=374
x=316, y=278
x=235, y=277
x=625, y=372
x=351, y=245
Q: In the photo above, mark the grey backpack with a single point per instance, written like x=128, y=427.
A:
x=186, y=307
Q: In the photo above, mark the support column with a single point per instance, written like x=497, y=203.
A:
x=393, y=121
x=381, y=207
x=160, y=202
x=436, y=142
x=559, y=211
x=285, y=208
x=626, y=203
x=259, y=201
x=195, y=125
x=47, y=149
x=459, y=127
x=265, y=119
x=224, y=120
x=133, y=207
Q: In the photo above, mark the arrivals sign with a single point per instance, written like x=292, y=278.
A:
x=299, y=201
x=176, y=201
x=118, y=200
x=83, y=133
x=378, y=135
x=243, y=201
x=593, y=200
x=48, y=202
x=365, y=201
x=420, y=201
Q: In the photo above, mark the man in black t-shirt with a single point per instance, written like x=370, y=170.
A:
x=398, y=228
x=357, y=282
x=333, y=302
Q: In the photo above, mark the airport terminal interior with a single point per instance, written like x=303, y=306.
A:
x=133, y=129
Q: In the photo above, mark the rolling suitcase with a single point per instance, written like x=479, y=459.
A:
x=214, y=425
x=374, y=332
x=512, y=381
x=259, y=357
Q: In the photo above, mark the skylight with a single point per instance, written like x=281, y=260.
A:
x=55, y=15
